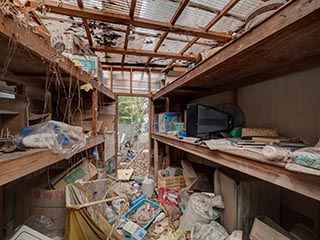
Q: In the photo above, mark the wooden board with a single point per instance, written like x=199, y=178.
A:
x=19, y=164
x=305, y=184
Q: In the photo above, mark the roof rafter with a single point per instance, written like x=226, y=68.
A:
x=71, y=10
x=85, y=24
x=174, y=19
x=224, y=11
x=142, y=53
x=131, y=15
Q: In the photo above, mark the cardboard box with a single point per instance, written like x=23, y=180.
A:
x=135, y=231
x=26, y=233
x=167, y=119
x=265, y=229
x=85, y=171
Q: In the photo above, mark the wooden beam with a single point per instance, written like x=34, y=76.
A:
x=126, y=40
x=88, y=33
x=71, y=10
x=128, y=68
x=179, y=11
x=94, y=111
x=85, y=24
x=173, y=20
x=80, y=3
x=143, y=53
x=224, y=11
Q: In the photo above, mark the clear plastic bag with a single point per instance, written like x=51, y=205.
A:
x=307, y=157
x=57, y=136
x=44, y=225
x=211, y=231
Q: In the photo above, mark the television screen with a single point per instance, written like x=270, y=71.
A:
x=203, y=120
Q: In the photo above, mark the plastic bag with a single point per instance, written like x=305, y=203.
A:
x=307, y=157
x=44, y=225
x=177, y=235
x=211, y=231
x=57, y=136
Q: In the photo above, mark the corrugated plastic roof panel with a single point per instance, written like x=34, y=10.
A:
x=244, y=7
x=160, y=10
x=194, y=17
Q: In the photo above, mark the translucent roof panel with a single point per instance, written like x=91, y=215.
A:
x=160, y=10
x=228, y=25
x=213, y=5
x=172, y=46
x=114, y=6
x=110, y=57
x=244, y=7
x=195, y=17
x=143, y=43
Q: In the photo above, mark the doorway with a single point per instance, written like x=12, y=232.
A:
x=133, y=134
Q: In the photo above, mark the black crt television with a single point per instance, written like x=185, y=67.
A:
x=204, y=121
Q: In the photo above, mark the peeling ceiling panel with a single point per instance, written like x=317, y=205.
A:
x=172, y=46
x=227, y=25
x=244, y=7
x=207, y=42
x=160, y=61
x=160, y=10
x=195, y=49
x=179, y=36
x=143, y=43
x=132, y=59
x=111, y=57
x=195, y=17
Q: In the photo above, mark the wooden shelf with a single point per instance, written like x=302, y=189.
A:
x=19, y=164
x=285, y=43
x=251, y=164
x=35, y=54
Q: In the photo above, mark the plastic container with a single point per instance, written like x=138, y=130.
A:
x=138, y=205
x=148, y=187
x=169, y=196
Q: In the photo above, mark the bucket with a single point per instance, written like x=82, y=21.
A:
x=148, y=187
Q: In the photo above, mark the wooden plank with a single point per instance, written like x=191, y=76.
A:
x=156, y=158
x=19, y=164
x=116, y=123
x=131, y=81
x=71, y=10
x=305, y=184
x=134, y=68
x=42, y=49
x=94, y=111
x=273, y=39
x=143, y=53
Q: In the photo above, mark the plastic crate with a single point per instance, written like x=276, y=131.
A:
x=139, y=204
x=176, y=182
